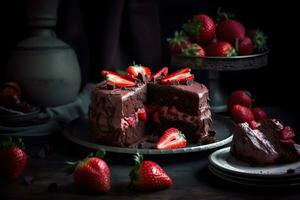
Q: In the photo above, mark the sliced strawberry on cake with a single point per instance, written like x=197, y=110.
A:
x=139, y=71
x=117, y=80
x=182, y=76
x=160, y=74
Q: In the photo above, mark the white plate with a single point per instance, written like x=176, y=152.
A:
x=254, y=182
x=223, y=160
x=78, y=132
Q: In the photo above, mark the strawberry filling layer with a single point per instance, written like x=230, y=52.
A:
x=132, y=120
x=171, y=113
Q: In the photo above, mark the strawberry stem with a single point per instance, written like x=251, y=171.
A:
x=9, y=142
x=100, y=153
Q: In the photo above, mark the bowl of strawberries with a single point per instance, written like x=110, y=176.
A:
x=218, y=45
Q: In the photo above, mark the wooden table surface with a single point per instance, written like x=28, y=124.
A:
x=191, y=177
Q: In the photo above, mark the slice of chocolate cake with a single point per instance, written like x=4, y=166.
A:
x=114, y=115
x=269, y=143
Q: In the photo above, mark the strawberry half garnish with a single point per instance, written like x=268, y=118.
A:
x=139, y=71
x=143, y=114
x=160, y=74
x=117, y=80
x=171, y=139
x=182, y=76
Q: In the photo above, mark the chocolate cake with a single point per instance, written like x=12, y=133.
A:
x=116, y=113
x=267, y=144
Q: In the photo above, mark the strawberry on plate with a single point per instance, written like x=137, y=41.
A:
x=160, y=74
x=220, y=48
x=10, y=89
x=13, y=159
x=117, y=80
x=241, y=97
x=171, y=139
x=178, y=42
x=193, y=50
x=259, y=113
x=148, y=176
x=241, y=114
x=182, y=76
x=139, y=71
x=91, y=174
x=201, y=29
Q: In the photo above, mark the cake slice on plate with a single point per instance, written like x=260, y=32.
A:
x=269, y=142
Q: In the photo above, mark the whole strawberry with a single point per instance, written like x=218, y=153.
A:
x=178, y=42
x=220, y=48
x=259, y=39
x=92, y=174
x=229, y=30
x=241, y=97
x=148, y=176
x=13, y=160
x=193, y=50
x=241, y=114
x=259, y=113
x=200, y=29
x=245, y=46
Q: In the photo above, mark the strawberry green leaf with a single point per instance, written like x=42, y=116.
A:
x=70, y=167
x=100, y=153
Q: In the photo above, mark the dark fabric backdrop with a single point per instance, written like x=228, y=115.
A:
x=111, y=34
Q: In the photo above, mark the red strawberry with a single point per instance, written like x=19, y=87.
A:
x=245, y=46
x=201, y=29
x=117, y=80
x=220, y=48
x=160, y=74
x=182, y=76
x=171, y=139
x=91, y=174
x=139, y=71
x=229, y=30
x=241, y=114
x=193, y=50
x=13, y=160
x=148, y=176
x=142, y=114
x=178, y=42
x=287, y=133
x=10, y=89
x=259, y=113
x=254, y=124
x=259, y=39
x=241, y=97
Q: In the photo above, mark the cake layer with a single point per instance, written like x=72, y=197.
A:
x=188, y=99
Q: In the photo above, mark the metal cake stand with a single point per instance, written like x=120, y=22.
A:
x=214, y=65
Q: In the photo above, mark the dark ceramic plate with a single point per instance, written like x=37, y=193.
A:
x=14, y=118
x=78, y=132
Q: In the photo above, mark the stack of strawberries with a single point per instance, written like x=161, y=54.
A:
x=202, y=36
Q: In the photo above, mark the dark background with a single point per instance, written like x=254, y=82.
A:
x=112, y=34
